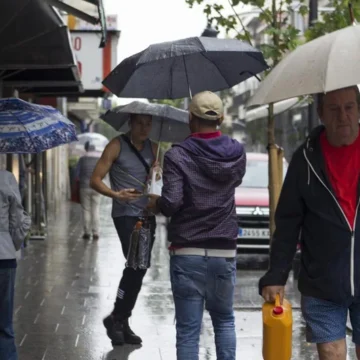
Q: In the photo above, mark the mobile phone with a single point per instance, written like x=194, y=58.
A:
x=136, y=192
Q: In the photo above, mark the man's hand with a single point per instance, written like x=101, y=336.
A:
x=269, y=293
x=157, y=168
x=127, y=194
x=152, y=203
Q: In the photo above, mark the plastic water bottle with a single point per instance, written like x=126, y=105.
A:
x=277, y=330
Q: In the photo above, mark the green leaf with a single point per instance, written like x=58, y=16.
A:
x=218, y=7
x=266, y=16
x=207, y=10
x=304, y=10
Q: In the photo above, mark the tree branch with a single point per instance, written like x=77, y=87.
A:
x=241, y=23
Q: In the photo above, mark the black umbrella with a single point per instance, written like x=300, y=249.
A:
x=176, y=69
x=169, y=123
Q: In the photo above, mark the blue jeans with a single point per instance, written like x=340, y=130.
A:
x=197, y=281
x=7, y=339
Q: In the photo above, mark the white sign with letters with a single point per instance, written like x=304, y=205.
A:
x=89, y=58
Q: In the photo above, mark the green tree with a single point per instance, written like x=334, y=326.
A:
x=178, y=103
x=335, y=20
x=284, y=38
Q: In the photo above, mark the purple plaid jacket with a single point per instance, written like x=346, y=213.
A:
x=200, y=177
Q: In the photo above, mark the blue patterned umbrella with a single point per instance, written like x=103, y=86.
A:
x=31, y=128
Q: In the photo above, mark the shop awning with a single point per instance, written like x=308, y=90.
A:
x=36, y=52
x=101, y=19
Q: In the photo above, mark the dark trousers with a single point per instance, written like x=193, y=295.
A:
x=7, y=341
x=131, y=281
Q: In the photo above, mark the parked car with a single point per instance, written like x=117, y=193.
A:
x=252, y=206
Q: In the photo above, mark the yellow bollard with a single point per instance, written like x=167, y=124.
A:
x=277, y=330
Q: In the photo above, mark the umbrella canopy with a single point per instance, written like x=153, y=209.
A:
x=169, y=123
x=31, y=128
x=172, y=70
x=328, y=63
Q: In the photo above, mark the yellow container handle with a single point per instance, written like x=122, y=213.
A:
x=277, y=300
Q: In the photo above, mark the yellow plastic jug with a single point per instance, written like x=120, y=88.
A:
x=277, y=330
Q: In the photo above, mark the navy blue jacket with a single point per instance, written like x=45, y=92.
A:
x=200, y=177
x=308, y=208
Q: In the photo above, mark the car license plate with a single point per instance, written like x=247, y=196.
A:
x=254, y=233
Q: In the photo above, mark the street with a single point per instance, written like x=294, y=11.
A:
x=65, y=287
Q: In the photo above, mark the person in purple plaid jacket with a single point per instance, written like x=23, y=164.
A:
x=200, y=176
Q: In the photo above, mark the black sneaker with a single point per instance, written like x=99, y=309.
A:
x=129, y=336
x=86, y=236
x=114, y=330
x=96, y=236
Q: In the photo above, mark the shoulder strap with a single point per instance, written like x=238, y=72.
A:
x=136, y=152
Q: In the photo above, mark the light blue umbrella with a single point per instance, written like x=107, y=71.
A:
x=31, y=128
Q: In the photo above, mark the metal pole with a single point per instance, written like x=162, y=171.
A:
x=38, y=233
x=45, y=184
x=28, y=177
x=312, y=113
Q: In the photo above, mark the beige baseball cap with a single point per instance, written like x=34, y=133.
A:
x=207, y=105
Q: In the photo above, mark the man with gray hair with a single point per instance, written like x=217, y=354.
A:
x=319, y=204
x=89, y=198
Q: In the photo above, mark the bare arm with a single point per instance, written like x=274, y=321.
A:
x=102, y=168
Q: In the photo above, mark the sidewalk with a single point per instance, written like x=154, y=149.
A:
x=65, y=286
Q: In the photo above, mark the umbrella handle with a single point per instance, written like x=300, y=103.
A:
x=158, y=152
x=159, y=141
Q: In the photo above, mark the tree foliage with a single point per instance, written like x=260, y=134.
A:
x=335, y=20
x=275, y=14
x=178, y=103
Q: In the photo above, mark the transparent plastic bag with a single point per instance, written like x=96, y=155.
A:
x=144, y=248
x=155, y=183
x=139, y=248
x=132, y=258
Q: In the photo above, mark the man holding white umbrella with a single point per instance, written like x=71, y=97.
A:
x=319, y=203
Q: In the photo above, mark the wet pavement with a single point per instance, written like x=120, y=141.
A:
x=65, y=286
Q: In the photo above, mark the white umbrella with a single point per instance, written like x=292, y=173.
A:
x=327, y=63
x=98, y=140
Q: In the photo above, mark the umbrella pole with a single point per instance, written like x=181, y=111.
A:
x=275, y=169
x=187, y=78
x=351, y=12
x=159, y=142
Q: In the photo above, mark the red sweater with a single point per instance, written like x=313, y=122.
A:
x=343, y=169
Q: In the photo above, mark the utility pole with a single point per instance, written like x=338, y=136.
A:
x=312, y=113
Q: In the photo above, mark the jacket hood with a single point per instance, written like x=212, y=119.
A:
x=219, y=158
